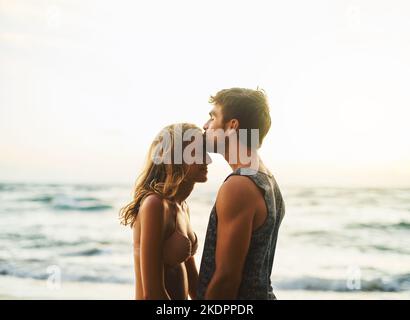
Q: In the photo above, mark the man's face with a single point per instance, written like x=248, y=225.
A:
x=214, y=126
x=215, y=119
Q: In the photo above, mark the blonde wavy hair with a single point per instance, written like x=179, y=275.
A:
x=159, y=178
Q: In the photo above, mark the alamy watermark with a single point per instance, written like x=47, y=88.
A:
x=189, y=147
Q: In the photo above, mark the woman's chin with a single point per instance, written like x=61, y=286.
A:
x=202, y=179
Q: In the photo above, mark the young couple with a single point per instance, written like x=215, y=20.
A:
x=244, y=222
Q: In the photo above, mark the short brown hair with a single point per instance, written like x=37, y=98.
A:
x=249, y=107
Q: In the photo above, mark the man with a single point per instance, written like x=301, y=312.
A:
x=244, y=223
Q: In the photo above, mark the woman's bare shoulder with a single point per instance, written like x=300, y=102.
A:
x=152, y=207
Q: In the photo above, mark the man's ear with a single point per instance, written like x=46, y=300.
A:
x=233, y=124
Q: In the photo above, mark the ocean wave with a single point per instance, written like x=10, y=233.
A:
x=398, y=283
x=51, y=198
x=403, y=225
x=88, y=252
x=382, y=284
x=82, y=207
x=50, y=243
x=88, y=275
x=42, y=198
x=5, y=187
x=64, y=202
x=311, y=233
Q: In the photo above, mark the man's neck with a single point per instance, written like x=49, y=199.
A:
x=252, y=160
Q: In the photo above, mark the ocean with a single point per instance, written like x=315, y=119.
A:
x=65, y=241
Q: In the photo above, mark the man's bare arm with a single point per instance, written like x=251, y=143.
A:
x=235, y=210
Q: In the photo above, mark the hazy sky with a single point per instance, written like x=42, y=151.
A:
x=85, y=85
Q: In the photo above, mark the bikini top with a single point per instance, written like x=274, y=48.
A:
x=178, y=247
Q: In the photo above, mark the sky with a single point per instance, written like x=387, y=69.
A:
x=86, y=85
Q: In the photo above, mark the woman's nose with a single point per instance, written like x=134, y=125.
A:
x=206, y=126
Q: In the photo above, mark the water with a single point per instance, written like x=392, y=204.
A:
x=332, y=240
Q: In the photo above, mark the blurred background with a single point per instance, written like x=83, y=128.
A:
x=86, y=85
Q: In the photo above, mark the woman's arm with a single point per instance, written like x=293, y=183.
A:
x=192, y=277
x=151, y=248
x=191, y=269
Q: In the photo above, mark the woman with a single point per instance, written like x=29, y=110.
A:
x=164, y=242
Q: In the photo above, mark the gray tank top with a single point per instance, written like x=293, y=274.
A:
x=256, y=283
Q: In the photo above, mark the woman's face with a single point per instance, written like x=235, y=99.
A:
x=198, y=172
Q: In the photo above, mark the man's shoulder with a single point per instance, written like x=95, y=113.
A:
x=237, y=188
